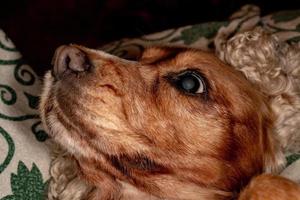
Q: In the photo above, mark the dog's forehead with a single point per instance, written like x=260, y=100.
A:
x=181, y=58
x=172, y=58
x=157, y=55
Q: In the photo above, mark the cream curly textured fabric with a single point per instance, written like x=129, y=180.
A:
x=65, y=183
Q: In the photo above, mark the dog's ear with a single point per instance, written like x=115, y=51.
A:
x=258, y=56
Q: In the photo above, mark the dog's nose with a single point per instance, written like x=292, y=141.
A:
x=69, y=59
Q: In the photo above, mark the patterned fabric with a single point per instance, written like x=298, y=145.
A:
x=24, y=157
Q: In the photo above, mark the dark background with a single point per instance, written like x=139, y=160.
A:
x=37, y=27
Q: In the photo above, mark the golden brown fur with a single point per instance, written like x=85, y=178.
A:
x=135, y=136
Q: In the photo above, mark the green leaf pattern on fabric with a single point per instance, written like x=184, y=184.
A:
x=27, y=184
x=292, y=158
x=285, y=16
x=5, y=91
x=193, y=33
x=40, y=134
x=11, y=149
x=23, y=75
x=9, y=197
x=33, y=101
x=5, y=44
x=19, y=117
x=10, y=62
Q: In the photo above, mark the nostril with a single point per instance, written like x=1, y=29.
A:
x=68, y=59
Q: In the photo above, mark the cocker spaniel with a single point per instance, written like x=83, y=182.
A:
x=178, y=123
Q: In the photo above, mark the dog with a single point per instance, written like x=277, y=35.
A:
x=178, y=123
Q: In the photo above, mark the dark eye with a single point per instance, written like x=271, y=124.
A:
x=190, y=82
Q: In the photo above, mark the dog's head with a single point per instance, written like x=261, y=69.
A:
x=178, y=123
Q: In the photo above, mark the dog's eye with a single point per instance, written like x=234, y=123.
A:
x=190, y=82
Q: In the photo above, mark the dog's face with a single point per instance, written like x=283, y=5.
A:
x=178, y=123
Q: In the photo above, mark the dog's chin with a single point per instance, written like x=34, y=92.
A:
x=53, y=126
